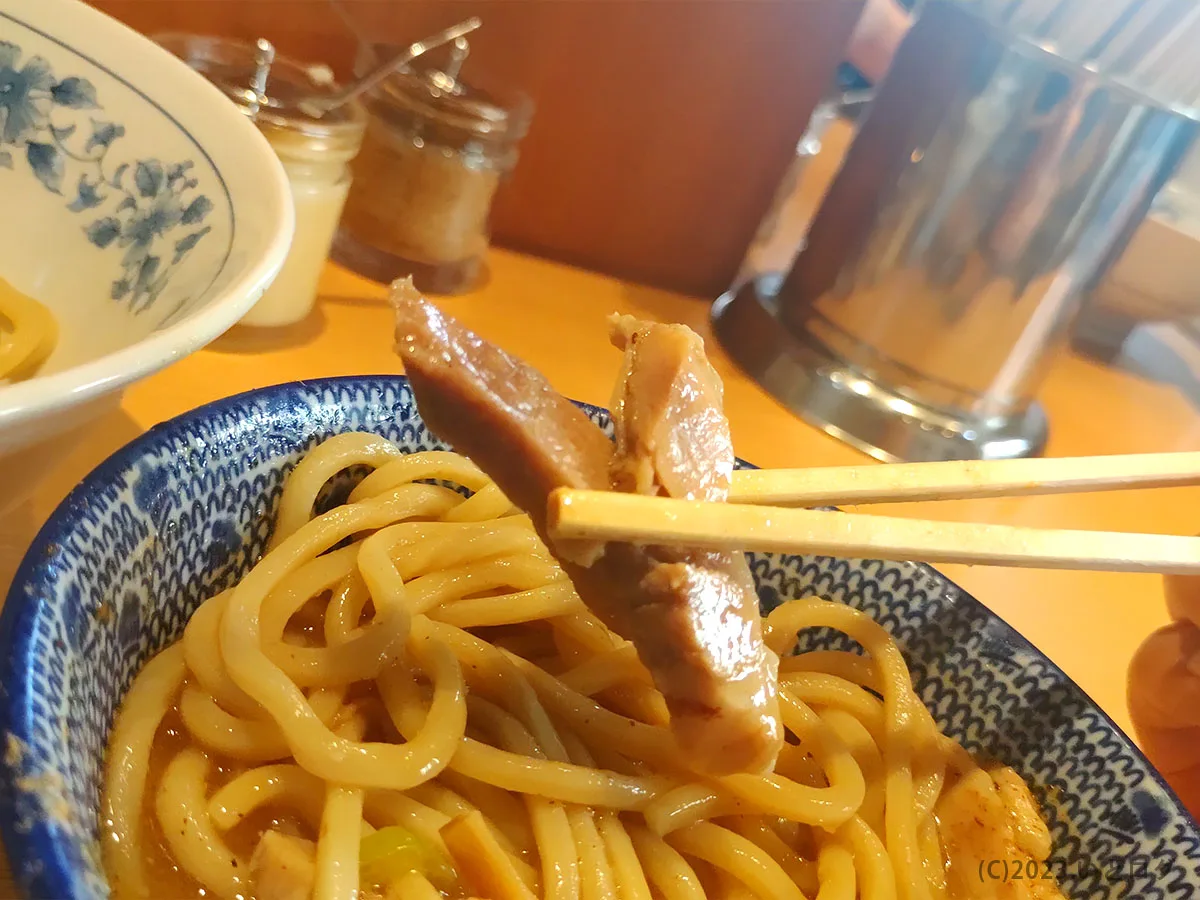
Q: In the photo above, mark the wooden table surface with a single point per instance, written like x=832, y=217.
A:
x=1090, y=624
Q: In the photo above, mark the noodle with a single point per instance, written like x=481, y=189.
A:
x=28, y=333
x=128, y=761
x=194, y=843
x=405, y=698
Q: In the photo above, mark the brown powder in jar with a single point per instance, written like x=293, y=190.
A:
x=418, y=200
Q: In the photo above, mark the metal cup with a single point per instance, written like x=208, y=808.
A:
x=989, y=187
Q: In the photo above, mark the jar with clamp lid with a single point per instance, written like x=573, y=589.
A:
x=315, y=152
x=435, y=151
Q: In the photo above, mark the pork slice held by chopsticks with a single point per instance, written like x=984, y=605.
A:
x=499, y=412
x=672, y=439
x=692, y=619
x=672, y=435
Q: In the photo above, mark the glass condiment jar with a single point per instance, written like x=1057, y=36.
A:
x=315, y=152
x=434, y=153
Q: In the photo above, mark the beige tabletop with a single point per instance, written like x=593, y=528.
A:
x=1088, y=623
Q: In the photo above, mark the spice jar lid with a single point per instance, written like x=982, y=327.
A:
x=452, y=103
x=233, y=66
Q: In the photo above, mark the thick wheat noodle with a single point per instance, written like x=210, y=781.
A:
x=438, y=796
x=861, y=743
x=835, y=693
x=446, y=587
x=907, y=726
x=412, y=467
x=617, y=871
x=800, y=766
x=552, y=777
x=415, y=655
x=931, y=851
x=587, y=632
x=631, y=880
x=361, y=658
x=828, y=807
x=281, y=784
x=337, y=851
x=605, y=671
x=326, y=704
x=835, y=871
x=488, y=503
x=565, y=782
x=560, y=870
x=688, y=804
x=561, y=877
x=802, y=871
x=504, y=809
x=493, y=672
x=315, y=746
x=187, y=829
x=308, y=581
x=597, y=873
x=346, y=604
x=314, y=471
x=202, y=634
x=384, y=808
x=741, y=858
x=595, y=723
x=530, y=605
x=250, y=740
x=876, y=876
x=665, y=867
x=364, y=652
x=841, y=663
x=832, y=692
x=148, y=701
x=342, y=819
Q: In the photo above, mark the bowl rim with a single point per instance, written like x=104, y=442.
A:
x=33, y=586
x=39, y=395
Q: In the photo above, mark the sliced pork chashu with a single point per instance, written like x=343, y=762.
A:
x=692, y=616
x=673, y=440
x=672, y=437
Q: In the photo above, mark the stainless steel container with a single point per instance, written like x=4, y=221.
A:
x=987, y=189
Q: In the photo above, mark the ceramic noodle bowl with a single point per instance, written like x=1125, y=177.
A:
x=185, y=510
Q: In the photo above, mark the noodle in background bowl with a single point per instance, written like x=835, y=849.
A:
x=184, y=511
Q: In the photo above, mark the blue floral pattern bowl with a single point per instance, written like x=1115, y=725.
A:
x=140, y=205
x=185, y=510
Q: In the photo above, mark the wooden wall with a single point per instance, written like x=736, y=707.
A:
x=663, y=127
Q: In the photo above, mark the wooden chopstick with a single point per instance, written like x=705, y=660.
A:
x=838, y=485
x=638, y=519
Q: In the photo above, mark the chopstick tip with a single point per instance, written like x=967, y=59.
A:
x=558, y=501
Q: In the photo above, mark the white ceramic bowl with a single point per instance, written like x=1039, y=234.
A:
x=136, y=201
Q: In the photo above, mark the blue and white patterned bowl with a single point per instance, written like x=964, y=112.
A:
x=183, y=511
x=139, y=204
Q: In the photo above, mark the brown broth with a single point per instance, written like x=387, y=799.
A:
x=164, y=878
